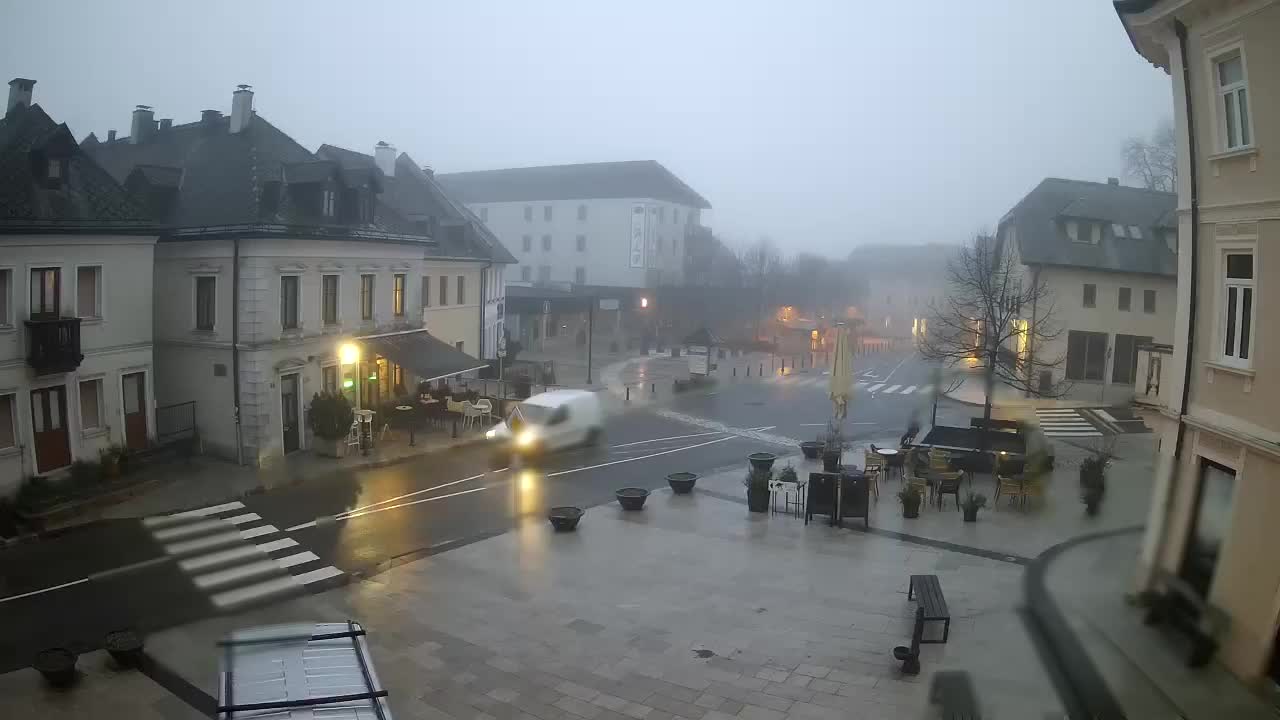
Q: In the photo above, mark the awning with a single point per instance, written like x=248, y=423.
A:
x=425, y=356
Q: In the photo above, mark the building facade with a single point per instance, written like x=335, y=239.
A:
x=76, y=362
x=282, y=273
x=1212, y=513
x=1106, y=254
x=615, y=225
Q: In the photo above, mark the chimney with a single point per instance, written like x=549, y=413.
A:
x=143, y=124
x=111, y=136
x=166, y=123
x=19, y=93
x=427, y=169
x=384, y=156
x=1113, y=181
x=241, y=108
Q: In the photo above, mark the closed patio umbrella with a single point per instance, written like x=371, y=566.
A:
x=841, y=373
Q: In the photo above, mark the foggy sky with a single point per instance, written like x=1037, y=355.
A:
x=821, y=124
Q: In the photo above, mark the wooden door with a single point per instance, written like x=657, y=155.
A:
x=134, y=387
x=289, y=411
x=49, y=426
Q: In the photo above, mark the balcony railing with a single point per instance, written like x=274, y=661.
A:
x=53, y=345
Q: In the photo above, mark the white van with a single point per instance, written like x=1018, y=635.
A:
x=550, y=421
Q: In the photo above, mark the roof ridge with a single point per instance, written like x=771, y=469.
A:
x=1107, y=185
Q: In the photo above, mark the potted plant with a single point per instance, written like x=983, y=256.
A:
x=57, y=665
x=125, y=647
x=631, y=498
x=1093, y=481
x=108, y=464
x=761, y=460
x=564, y=519
x=330, y=418
x=910, y=498
x=682, y=482
x=121, y=454
x=973, y=502
x=812, y=449
x=757, y=482
x=833, y=447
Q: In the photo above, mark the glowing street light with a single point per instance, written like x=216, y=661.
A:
x=349, y=353
x=644, y=302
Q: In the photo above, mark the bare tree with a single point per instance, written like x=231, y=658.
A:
x=760, y=262
x=985, y=321
x=1153, y=162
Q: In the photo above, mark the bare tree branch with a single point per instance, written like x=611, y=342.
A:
x=1153, y=162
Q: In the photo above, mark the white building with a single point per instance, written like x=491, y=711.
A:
x=75, y=301
x=614, y=225
x=1107, y=255
x=277, y=258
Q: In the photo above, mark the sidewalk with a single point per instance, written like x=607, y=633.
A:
x=972, y=391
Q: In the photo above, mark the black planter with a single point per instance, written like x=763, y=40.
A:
x=564, y=519
x=632, y=498
x=125, y=647
x=762, y=460
x=57, y=665
x=911, y=510
x=831, y=460
x=971, y=515
x=812, y=449
x=758, y=500
x=682, y=482
x=1092, y=501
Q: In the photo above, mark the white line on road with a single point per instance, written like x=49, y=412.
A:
x=414, y=502
x=874, y=388
x=910, y=389
x=892, y=389
x=642, y=457
x=895, y=368
x=44, y=590
x=673, y=437
x=200, y=512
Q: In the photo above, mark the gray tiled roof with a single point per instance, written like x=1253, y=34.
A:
x=629, y=179
x=1041, y=218
x=88, y=197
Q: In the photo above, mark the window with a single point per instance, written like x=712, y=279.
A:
x=1210, y=526
x=580, y=275
x=426, y=291
x=289, y=302
x=89, y=292
x=1148, y=301
x=460, y=345
x=1073, y=231
x=206, y=302
x=462, y=289
x=527, y=242
x=329, y=299
x=582, y=212
x=546, y=213
x=675, y=216
x=544, y=273
x=46, y=292
x=1118, y=229
x=528, y=213
x=1086, y=355
x=1171, y=240
x=1135, y=232
x=444, y=291
x=328, y=203
x=6, y=282
x=8, y=434
x=1237, y=316
x=1125, y=367
x=397, y=295
x=484, y=214
x=546, y=242
x=659, y=243
x=91, y=404
x=1234, y=104
x=1095, y=233
x=366, y=297
x=1090, y=295
x=1125, y=297
x=582, y=243
x=329, y=379
x=526, y=273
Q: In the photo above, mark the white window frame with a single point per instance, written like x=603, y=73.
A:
x=526, y=273
x=13, y=423
x=101, y=427
x=337, y=300
x=329, y=203
x=1224, y=283
x=6, y=316
x=1118, y=230
x=1095, y=233
x=195, y=302
x=1244, y=121
x=1073, y=231
x=99, y=312
x=1135, y=232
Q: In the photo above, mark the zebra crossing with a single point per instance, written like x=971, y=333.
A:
x=822, y=380
x=1066, y=423
x=236, y=558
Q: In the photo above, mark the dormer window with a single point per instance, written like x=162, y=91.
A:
x=1073, y=230
x=55, y=169
x=328, y=203
x=1135, y=232
x=1118, y=229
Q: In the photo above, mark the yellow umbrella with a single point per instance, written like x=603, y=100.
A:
x=841, y=373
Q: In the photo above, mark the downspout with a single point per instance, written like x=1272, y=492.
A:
x=484, y=303
x=1189, y=342
x=1031, y=331
x=235, y=344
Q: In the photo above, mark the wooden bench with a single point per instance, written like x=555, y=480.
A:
x=954, y=692
x=1175, y=602
x=928, y=593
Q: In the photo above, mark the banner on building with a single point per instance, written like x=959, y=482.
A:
x=637, y=236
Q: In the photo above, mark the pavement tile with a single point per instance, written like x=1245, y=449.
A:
x=709, y=701
x=636, y=710
x=688, y=710
x=750, y=683
x=799, y=680
x=540, y=710
x=824, y=686
x=788, y=690
x=828, y=700
x=677, y=692
x=505, y=664
x=730, y=707
x=573, y=689
x=755, y=712
x=688, y=680
x=810, y=711
x=773, y=702
x=817, y=671
x=610, y=702
x=580, y=708
x=773, y=675
x=505, y=695
x=585, y=627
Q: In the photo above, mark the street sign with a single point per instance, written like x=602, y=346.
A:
x=609, y=304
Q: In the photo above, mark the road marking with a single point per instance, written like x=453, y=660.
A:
x=253, y=592
x=182, y=531
x=812, y=424
x=892, y=389
x=874, y=388
x=235, y=574
x=642, y=457
x=200, y=512
x=673, y=437
x=45, y=590
x=259, y=531
x=762, y=428
x=1105, y=415
x=910, y=389
x=895, y=368
x=414, y=502
x=317, y=575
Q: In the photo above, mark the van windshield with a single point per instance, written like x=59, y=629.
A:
x=526, y=413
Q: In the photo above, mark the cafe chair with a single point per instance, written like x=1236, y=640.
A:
x=947, y=483
x=485, y=406
x=873, y=466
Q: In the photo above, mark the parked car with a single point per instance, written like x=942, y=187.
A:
x=550, y=421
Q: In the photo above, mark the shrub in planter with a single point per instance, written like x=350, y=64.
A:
x=682, y=482
x=757, y=482
x=631, y=498
x=833, y=447
x=57, y=665
x=125, y=647
x=85, y=473
x=762, y=460
x=330, y=418
x=1093, y=482
x=812, y=449
x=973, y=502
x=108, y=464
x=565, y=518
x=910, y=499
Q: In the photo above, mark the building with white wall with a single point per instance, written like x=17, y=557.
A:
x=595, y=225
x=282, y=273
x=76, y=367
x=1107, y=255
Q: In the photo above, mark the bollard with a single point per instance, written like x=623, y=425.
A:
x=628, y=393
x=748, y=371
x=761, y=373
x=653, y=388
x=455, y=428
x=735, y=372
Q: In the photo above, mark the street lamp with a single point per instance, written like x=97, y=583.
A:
x=349, y=353
x=644, y=302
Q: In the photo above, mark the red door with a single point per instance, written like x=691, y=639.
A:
x=49, y=426
x=135, y=410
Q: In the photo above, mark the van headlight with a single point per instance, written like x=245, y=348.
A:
x=526, y=438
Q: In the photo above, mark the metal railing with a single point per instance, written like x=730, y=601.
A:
x=175, y=422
